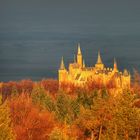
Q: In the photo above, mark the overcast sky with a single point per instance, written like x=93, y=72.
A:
x=36, y=33
x=74, y=11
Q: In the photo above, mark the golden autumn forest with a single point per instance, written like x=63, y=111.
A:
x=44, y=111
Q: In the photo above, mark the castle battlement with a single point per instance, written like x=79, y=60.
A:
x=79, y=74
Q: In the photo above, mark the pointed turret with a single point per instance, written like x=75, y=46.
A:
x=79, y=56
x=99, y=60
x=115, y=64
x=125, y=73
x=99, y=64
x=62, y=72
x=79, y=49
x=62, y=66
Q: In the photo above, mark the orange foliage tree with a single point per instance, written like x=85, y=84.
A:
x=71, y=88
x=93, y=84
x=136, y=83
x=6, y=89
x=28, y=122
x=50, y=85
x=26, y=86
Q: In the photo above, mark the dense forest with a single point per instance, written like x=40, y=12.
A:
x=42, y=110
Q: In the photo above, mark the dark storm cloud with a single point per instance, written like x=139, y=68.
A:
x=34, y=34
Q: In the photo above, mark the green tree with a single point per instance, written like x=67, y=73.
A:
x=94, y=120
x=126, y=118
x=62, y=108
x=75, y=108
x=40, y=97
x=67, y=108
x=86, y=99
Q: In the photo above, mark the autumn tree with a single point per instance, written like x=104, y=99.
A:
x=14, y=91
x=27, y=86
x=29, y=122
x=136, y=83
x=6, y=131
x=93, y=121
x=6, y=90
x=50, y=85
x=66, y=132
x=93, y=84
x=42, y=98
x=126, y=117
x=62, y=107
x=67, y=108
x=86, y=98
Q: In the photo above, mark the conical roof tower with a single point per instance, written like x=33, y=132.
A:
x=99, y=60
x=62, y=66
x=99, y=64
x=79, y=50
x=115, y=64
x=79, y=56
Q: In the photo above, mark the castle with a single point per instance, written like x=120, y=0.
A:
x=79, y=74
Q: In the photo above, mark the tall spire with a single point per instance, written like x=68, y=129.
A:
x=115, y=64
x=99, y=60
x=62, y=66
x=79, y=56
x=79, y=49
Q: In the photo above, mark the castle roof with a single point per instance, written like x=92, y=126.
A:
x=99, y=60
x=79, y=49
x=125, y=73
x=62, y=66
x=74, y=65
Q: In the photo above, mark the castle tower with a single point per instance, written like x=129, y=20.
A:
x=63, y=74
x=99, y=64
x=126, y=79
x=79, y=56
x=62, y=66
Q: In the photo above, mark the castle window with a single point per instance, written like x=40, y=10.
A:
x=77, y=76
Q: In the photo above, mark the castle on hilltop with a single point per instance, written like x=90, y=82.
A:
x=79, y=74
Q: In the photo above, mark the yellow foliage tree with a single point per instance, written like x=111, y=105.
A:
x=6, y=132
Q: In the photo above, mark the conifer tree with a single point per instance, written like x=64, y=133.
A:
x=40, y=97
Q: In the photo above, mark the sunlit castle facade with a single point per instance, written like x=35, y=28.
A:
x=79, y=74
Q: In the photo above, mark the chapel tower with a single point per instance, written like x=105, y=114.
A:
x=99, y=64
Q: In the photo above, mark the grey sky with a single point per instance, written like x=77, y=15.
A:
x=36, y=33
